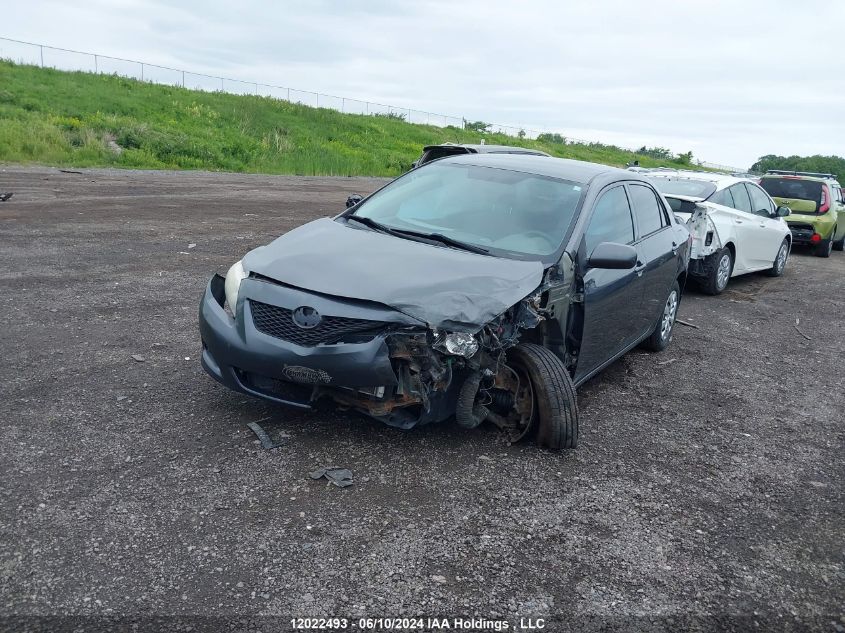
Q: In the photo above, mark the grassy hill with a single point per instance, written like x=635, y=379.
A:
x=87, y=120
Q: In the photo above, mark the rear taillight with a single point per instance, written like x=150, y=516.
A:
x=824, y=207
x=816, y=238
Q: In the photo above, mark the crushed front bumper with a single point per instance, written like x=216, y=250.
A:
x=240, y=356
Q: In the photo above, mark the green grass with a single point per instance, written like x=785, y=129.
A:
x=79, y=119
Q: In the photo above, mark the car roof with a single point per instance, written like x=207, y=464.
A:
x=489, y=149
x=572, y=170
x=793, y=175
x=722, y=181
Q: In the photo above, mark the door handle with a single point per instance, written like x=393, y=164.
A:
x=738, y=221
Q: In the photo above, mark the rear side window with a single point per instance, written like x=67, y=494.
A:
x=648, y=211
x=611, y=221
x=741, y=200
x=724, y=198
x=793, y=189
x=760, y=202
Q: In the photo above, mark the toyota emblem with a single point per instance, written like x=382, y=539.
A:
x=306, y=317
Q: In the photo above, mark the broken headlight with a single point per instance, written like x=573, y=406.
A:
x=456, y=344
x=234, y=277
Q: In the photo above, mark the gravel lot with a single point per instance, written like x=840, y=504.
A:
x=706, y=493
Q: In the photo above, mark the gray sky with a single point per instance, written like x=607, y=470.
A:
x=729, y=80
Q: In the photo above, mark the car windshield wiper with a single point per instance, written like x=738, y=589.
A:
x=406, y=233
x=443, y=239
x=378, y=226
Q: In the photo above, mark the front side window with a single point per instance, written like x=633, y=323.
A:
x=611, y=221
x=760, y=202
x=647, y=210
x=509, y=213
x=741, y=200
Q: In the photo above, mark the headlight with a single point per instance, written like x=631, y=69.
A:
x=234, y=278
x=456, y=344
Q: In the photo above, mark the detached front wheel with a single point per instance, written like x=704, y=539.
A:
x=554, y=414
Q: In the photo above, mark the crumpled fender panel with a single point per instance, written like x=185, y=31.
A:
x=444, y=287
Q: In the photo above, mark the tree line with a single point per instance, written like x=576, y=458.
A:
x=820, y=164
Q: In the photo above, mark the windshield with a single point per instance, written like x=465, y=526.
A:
x=794, y=189
x=684, y=186
x=508, y=213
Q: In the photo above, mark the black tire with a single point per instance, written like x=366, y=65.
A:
x=713, y=283
x=824, y=248
x=660, y=337
x=556, y=408
x=840, y=245
x=779, y=265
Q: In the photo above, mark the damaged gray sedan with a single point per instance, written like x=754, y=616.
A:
x=478, y=287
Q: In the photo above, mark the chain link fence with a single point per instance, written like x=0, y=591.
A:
x=22, y=52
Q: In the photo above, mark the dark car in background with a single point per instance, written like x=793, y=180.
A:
x=478, y=287
x=434, y=152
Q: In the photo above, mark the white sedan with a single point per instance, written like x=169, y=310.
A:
x=735, y=225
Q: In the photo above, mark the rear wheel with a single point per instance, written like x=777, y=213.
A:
x=779, y=264
x=662, y=334
x=718, y=268
x=825, y=247
x=554, y=410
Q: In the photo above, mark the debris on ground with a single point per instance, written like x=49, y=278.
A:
x=688, y=324
x=6, y=196
x=340, y=477
x=70, y=171
x=667, y=362
x=192, y=246
x=797, y=321
x=266, y=441
x=138, y=358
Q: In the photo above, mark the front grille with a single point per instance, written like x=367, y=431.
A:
x=278, y=322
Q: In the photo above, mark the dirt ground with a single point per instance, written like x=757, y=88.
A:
x=706, y=492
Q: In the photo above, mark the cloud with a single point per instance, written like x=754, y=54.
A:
x=729, y=81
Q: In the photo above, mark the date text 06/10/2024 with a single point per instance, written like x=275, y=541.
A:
x=411, y=624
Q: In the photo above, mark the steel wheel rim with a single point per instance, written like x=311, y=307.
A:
x=781, y=264
x=724, y=272
x=669, y=311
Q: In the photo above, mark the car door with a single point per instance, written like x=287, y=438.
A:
x=657, y=247
x=610, y=296
x=746, y=230
x=769, y=231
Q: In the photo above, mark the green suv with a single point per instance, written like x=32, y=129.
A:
x=817, y=207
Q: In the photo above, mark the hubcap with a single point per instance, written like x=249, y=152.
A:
x=669, y=311
x=782, y=255
x=724, y=272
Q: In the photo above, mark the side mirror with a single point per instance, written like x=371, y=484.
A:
x=613, y=256
x=352, y=200
x=782, y=212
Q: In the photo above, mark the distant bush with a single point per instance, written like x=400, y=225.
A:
x=685, y=158
x=656, y=152
x=477, y=126
x=555, y=138
x=396, y=116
